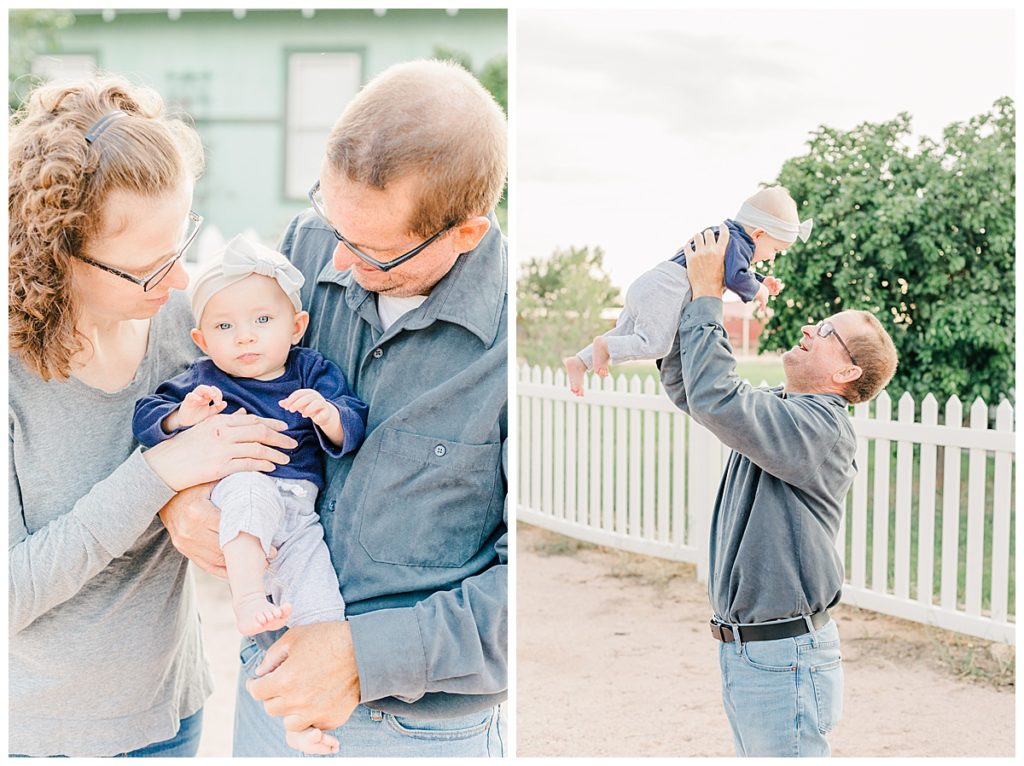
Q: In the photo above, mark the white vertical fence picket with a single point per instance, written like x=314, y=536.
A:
x=559, y=478
x=904, y=485
x=1001, y=506
x=926, y=510
x=859, y=506
x=622, y=467
x=975, y=511
x=951, y=511
x=880, y=527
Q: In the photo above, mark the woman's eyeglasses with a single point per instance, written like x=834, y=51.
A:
x=149, y=282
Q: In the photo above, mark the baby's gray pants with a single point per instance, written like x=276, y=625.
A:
x=272, y=510
x=650, y=319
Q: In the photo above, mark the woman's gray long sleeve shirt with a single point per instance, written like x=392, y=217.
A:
x=105, y=653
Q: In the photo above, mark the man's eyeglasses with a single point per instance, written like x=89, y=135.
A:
x=316, y=200
x=826, y=329
x=149, y=282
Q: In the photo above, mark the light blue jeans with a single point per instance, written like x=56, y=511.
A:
x=783, y=697
x=368, y=732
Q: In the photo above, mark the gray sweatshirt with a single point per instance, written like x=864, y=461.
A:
x=784, y=488
x=105, y=650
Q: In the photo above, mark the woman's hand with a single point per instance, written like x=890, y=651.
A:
x=218, y=446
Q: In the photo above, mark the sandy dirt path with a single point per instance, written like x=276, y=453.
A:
x=615, y=659
x=221, y=642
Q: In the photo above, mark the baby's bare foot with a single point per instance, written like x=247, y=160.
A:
x=576, y=369
x=601, y=358
x=254, y=614
x=311, y=741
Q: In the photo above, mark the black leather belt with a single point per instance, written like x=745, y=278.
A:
x=769, y=631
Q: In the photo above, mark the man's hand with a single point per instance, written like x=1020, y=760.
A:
x=705, y=263
x=192, y=522
x=311, y=404
x=309, y=677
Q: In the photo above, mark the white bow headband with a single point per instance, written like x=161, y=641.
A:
x=783, y=231
x=241, y=258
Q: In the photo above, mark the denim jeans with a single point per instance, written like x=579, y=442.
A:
x=368, y=732
x=783, y=697
x=184, y=744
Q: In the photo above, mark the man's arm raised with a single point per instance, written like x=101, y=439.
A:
x=788, y=439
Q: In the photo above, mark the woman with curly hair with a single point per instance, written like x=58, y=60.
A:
x=105, y=649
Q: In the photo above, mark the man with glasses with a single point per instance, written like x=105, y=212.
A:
x=773, y=568
x=406, y=285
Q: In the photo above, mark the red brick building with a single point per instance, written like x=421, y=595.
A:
x=743, y=327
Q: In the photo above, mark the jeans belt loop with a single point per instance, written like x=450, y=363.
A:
x=811, y=630
x=736, y=637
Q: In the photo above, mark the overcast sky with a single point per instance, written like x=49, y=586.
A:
x=619, y=112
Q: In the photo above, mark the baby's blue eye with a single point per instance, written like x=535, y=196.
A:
x=262, y=319
x=223, y=326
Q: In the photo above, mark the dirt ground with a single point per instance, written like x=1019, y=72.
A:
x=615, y=659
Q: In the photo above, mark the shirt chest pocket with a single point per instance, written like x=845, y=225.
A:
x=428, y=500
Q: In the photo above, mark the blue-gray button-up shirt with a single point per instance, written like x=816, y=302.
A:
x=416, y=520
x=783, y=492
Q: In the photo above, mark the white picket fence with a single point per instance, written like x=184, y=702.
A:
x=622, y=467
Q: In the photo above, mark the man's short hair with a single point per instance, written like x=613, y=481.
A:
x=432, y=119
x=876, y=356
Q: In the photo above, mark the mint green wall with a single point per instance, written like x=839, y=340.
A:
x=230, y=75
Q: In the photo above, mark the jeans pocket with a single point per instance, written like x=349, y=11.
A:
x=463, y=727
x=772, y=656
x=250, y=656
x=827, y=680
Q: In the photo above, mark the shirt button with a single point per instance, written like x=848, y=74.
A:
x=378, y=353
x=440, y=450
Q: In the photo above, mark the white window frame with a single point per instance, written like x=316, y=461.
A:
x=312, y=107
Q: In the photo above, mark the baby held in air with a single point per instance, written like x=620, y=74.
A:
x=766, y=224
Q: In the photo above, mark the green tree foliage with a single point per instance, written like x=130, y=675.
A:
x=922, y=236
x=559, y=302
x=30, y=33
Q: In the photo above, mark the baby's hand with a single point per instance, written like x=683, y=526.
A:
x=199, y=404
x=762, y=300
x=311, y=404
x=774, y=285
